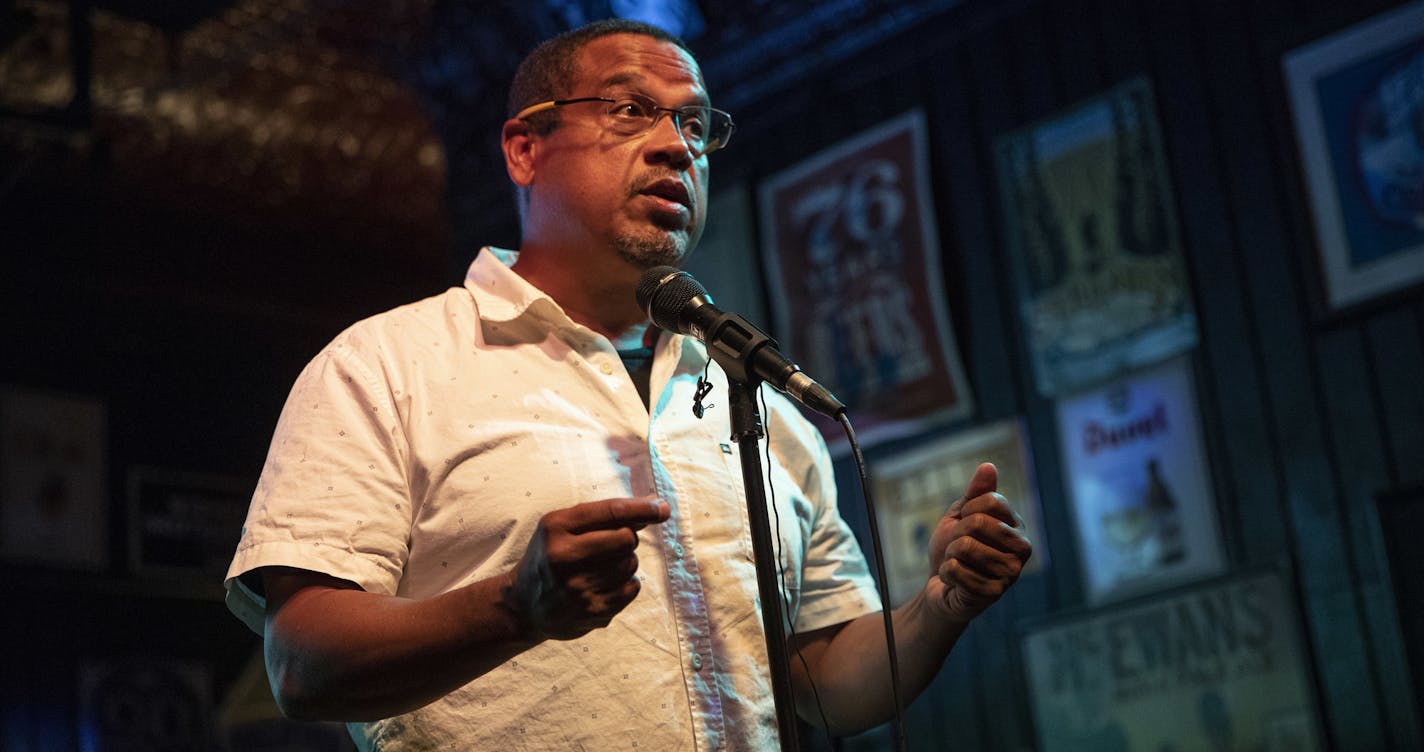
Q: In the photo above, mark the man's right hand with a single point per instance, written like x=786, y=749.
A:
x=579, y=570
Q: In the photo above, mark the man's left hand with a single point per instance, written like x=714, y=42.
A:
x=977, y=550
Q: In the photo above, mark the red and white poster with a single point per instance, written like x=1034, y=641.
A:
x=853, y=267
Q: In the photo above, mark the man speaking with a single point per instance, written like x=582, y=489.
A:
x=490, y=519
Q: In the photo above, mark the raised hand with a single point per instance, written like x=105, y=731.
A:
x=977, y=550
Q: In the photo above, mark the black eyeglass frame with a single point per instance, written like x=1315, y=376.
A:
x=676, y=112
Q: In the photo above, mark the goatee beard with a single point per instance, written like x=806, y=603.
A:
x=648, y=252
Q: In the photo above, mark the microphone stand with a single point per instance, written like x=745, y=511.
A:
x=747, y=431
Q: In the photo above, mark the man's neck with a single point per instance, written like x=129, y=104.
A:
x=601, y=299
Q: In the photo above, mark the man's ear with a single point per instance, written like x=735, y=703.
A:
x=519, y=142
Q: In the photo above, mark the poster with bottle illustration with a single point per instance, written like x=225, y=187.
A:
x=1139, y=483
x=1215, y=665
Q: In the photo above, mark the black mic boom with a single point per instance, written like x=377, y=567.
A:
x=677, y=302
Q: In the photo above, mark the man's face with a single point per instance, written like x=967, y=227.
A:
x=642, y=196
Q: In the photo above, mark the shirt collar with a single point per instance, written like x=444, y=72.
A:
x=500, y=293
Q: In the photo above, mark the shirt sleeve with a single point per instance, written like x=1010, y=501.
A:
x=836, y=584
x=334, y=493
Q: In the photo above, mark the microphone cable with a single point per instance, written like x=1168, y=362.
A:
x=880, y=581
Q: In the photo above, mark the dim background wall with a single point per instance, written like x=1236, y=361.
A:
x=1309, y=416
x=191, y=327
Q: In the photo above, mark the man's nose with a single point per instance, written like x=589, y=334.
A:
x=667, y=143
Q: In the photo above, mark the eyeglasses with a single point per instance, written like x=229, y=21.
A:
x=703, y=129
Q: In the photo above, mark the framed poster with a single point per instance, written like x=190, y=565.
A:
x=183, y=523
x=54, y=495
x=913, y=489
x=145, y=702
x=1093, y=237
x=852, y=257
x=1358, y=100
x=1216, y=665
x=1139, y=483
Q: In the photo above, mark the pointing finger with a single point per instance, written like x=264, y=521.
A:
x=609, y=514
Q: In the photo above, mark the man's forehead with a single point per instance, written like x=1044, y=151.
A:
x=633, y=60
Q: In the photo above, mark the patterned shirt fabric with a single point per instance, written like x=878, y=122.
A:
x=417, y=452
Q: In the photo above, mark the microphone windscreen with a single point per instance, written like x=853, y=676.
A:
x=664, y=291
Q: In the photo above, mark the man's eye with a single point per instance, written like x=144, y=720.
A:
x=693, y=125
x=630, y=109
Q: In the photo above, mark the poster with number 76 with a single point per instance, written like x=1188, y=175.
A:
x=852, y=260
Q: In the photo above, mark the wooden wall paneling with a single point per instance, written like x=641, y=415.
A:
x=1032, y=63
x=1124, y=44
x=1352, y=413
x=1076, y=49
x=1278, y=311
x=960, y=179
x=17, y=692
x=1402, y=516
x=1250, y=512
x=896, y=88
x=1325, y=16
x=986, y=314
x=989, y=97
x=1277, y=27
x=1000, y=108
x=1398, y=358
x=1037, y=79
x=955, y=693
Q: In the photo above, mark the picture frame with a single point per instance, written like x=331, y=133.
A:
x=913, y=489
x=1095, y=245
x=184, y=525
x=1139, y=483
x=1353, y=98
x=54, y=483
x=852, y=256
x=1218, y=664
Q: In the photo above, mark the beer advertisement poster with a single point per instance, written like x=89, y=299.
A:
x=852, y=257
x=1215, y=665
x=1096, y=251
x=1139, y=483
x=914, y=488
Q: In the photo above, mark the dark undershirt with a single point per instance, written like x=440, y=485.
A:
x=639, y=363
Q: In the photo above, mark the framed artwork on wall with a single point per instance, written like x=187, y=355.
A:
x=54, y=488
x=184, y=524
x=914, y=488
x=1139, y=483
x=1218, y=664
x=852, y=260
x=1096, y=253
x=1357, y=98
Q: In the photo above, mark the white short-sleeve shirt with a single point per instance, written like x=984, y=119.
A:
x=417, y=452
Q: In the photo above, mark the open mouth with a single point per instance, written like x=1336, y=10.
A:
x=672, y=191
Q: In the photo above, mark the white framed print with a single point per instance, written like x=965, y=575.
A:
x=1357, y=98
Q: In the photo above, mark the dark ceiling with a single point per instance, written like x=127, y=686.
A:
x=378, y=115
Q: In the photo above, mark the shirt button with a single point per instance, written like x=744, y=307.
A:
x=696, y=662
x=677, y=550
x=606, y=367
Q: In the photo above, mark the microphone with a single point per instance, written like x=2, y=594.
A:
x=678, y=303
